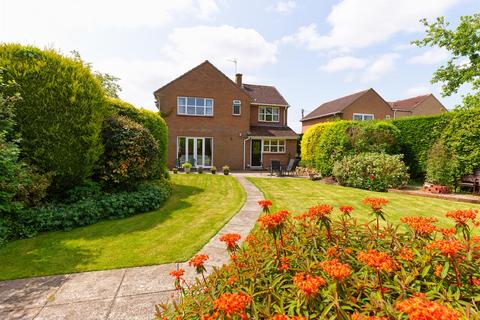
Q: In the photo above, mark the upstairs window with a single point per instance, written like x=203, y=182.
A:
x=269, y=114
x=195, y=106
x=363, y=116
x=237, y=107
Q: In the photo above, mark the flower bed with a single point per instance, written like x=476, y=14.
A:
x=312, y=266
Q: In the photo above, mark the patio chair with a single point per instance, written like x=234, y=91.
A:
x=292, y=165
x=275, y=167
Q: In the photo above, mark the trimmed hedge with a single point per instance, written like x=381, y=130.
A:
x=60, y=114
x=371, y=171
x=93, y=207
x=310, y=140
x=417, y=136
x=151, y=120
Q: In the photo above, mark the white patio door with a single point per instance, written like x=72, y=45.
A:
x=196, y=150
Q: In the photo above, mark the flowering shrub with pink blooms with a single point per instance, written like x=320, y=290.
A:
x=313, y=266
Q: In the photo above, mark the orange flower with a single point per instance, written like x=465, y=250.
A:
x=462, y=217
x=308, y=284
x=418, y=308
x=448, y=232
x=421, y=225
x=332, y=252
x=346, y=209
x=284, y=317
x=358, y=316
x=380, y=261
x=177, y=273
x=320, y=210
x=449, y=247
x=231, y=280
x=438, y=270
x=198, y=262
x=251, y=238
x=233, y=304
x=230, y=240
x=406, y=254
x=265, y=204
x=283, y=264
x=375, y=203
x=274, y=220
x=476, y=282
x=335, y=269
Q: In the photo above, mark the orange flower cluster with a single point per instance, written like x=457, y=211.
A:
x=198, y=262
x=233, y=304
x=274, y=220
x=308, y=284
x=284, y=317
x=283, y=264
x=448, y=247
x=406, y=254
x=358, y=316
x=380, y=261
x=177, y=273
x=438, y=270
x=462, y=217
x=346, y=209
x=419, y=308
x=421, y=225
x=265, y=204
x=335, y=269
x=230, y=240
x=320, y=210
x=376, y=203
x=448, y=232
x=332, y=252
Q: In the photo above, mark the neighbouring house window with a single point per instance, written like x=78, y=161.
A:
x=236, y=107
x=195, y=106
x=363, y=116
x=196, y=150
x=269, y=114
x=387, y=117
x=274, y=146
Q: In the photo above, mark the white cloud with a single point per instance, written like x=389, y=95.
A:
x=380, y=67
x=417, y=91
x=283, y=6
x=355, y=24
x=431, y=56
x=343, y=63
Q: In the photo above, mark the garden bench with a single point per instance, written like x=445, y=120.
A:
x=471, y=181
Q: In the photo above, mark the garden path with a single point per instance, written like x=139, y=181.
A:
x=129, y=293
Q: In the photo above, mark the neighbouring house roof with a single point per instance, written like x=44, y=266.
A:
x=270, y=131
x=334, y=106
x=264, y=95
x=408, y=104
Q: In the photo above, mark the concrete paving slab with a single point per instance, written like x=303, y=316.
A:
x=148, y=279
x=85, y=310
x=140, y=307
x=20, y=313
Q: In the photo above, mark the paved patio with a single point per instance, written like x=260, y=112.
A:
x=130, y=293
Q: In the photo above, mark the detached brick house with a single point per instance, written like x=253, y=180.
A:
x=214, y=121
x=417, y=106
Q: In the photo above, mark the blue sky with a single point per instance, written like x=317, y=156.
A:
x=312, y=51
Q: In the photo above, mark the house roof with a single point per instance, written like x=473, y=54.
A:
x=271, y=131
x=265, y=94
x=408, y=104
x=334, y=106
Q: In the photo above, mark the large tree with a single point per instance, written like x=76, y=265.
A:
x=463, y=44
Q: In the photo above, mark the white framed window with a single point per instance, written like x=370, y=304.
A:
x=196, y=150
x=193, y=106
x=363, y=116
x=387, y=117
x=268, y=114
x=274, y=146
x=237, y=107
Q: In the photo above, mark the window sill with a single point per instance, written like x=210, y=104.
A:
x=195, y=115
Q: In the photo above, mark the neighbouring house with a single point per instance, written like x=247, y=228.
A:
x=363, y=105
x=215, y=121
x=423, y=105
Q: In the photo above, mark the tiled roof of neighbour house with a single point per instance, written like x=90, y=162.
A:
x=408, y=104
x=265, y=94
x=334, y=106
x=271, y=131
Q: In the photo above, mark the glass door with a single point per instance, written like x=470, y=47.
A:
x=197, y=151
x=256, y=153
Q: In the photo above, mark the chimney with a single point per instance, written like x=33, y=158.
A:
x=238, y=79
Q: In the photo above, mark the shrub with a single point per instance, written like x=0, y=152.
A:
x=440, y=165
x=417, y=136
x=371, y=171
x=130, y=152
x=375, y=136
x=310, y=140
x=86, y=205
x=152, y=121
x=60, y=114
x=324, y=265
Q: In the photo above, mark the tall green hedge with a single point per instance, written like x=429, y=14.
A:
x=417, y=136
x=309, y=142
x=152, y=121
x=60, y=114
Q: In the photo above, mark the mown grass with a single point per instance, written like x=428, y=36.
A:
x=297, y=195
x=200, y=205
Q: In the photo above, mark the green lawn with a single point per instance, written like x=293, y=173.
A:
x=200, y=205
x=297, y=195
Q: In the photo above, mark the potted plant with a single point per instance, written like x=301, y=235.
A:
x=186, y=167
x=200, y=170
x=213, y=170
x=226, y=170
x=175, y=170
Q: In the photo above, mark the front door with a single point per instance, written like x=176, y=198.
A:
x=256, y=153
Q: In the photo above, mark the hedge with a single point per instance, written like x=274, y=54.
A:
x=151, y=120
x=310, y=140
x=60, y=114
x=91, y=208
